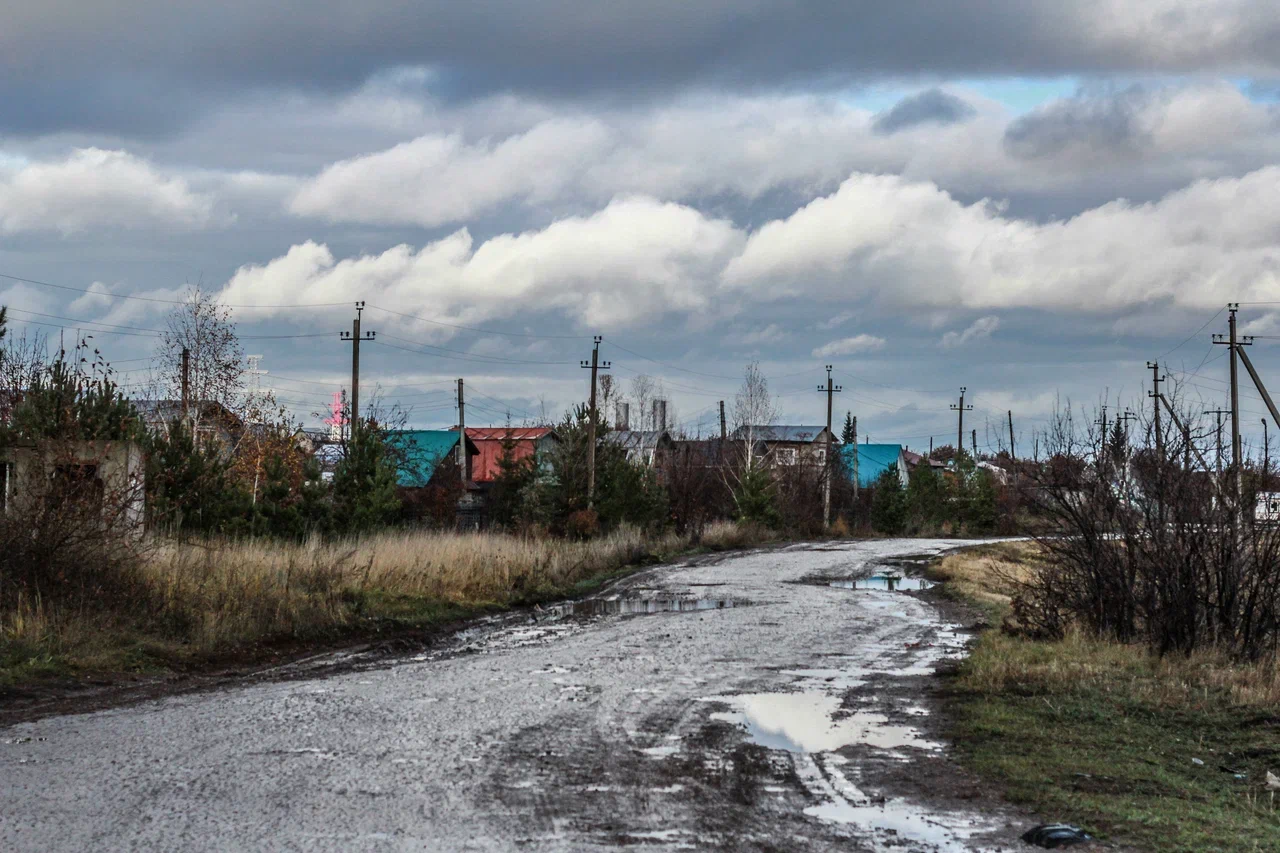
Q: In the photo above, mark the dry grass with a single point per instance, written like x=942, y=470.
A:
x=989, y=575
x=210, y=597
x=1104, y=734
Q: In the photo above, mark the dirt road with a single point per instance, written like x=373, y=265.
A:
x=757, y=702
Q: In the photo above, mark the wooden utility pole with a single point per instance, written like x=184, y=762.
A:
x=829, y=390
x=960, y=410
x=354, y=337
x=1154, y=394
x=723, y=432
x=1234, y=344
x=595, y=365
x=1012, y=455
x=462, y=433
x=186, y=386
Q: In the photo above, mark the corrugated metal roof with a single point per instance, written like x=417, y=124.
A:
x=423, y=449
x=783, y=432
x=637, y=439
x=502, y=433
x=873, y=460
x=492, y=444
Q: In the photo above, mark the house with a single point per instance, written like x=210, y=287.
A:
x=870, y=461
x=213, y=420
x=701, y=453
x=493, y=443
x=643, y=447
x=915, y=460
x=790, y=444
x=423, y=450
x=427, y=486
x=110, y=474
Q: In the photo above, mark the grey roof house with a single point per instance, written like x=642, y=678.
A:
x=643, y=446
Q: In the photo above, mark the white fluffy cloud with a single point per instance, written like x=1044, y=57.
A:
x=630, y=262
x=979, y=330
x=913, y=245
x=95, y=188
x=882, y=239
x=849, y=346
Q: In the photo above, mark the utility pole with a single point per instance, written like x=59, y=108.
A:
x=1234, y=344
x=1218, y=413
x=1012, y=456
x=462, y=434
x=1102, y=421
x=1154, y=394
x=723, y=431
x=354, y=337
x=856, y=454
x=595, y=365
x=1266, y=453
x=829, y=390
x=975, y=445
x=186, y=385
x=960, y=409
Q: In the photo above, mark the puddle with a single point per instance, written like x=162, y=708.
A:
x=638, y=606
x=811, y=722
x=889, y=821
x=886, y=583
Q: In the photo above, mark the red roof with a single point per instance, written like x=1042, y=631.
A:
x=490, y=440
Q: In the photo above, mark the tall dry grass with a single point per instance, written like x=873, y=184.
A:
x=198, y=598
x=220, y=594
x=991, y=576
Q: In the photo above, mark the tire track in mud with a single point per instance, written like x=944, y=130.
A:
x=742, y=728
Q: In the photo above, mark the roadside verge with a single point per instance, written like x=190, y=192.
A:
x=1165, y=754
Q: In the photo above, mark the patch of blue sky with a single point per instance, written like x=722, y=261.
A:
x=1019, y=94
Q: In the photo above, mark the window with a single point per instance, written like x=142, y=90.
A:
x=786, y=456
x=820, y=456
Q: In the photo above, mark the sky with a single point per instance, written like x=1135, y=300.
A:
x=1027, y=198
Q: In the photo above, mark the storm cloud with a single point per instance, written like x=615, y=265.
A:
x=582, y=48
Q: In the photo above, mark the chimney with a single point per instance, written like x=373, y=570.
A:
x=622, y=418
x=660, y=414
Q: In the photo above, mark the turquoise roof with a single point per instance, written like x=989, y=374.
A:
x=423, y=451
x=873, y=460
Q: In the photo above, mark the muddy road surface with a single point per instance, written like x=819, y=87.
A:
x=773, y=700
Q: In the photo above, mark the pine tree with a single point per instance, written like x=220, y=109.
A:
x=888, y=504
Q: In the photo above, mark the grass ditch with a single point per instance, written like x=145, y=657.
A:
x=1109, y=736
x=231, y=602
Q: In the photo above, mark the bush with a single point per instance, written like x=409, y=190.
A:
x=583, y=524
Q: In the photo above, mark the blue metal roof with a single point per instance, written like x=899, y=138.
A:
x=424, y=449
x=873, y=460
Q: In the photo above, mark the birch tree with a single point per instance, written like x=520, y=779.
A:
x=203, y=327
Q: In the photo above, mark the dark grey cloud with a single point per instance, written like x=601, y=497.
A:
x=583, y=47
x=1102, y=124
x=933, y=106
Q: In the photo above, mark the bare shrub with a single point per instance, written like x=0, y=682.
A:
x=1148, y=546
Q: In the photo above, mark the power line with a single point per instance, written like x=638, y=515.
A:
x=463, y=355
x=109, y=295
x=1193, y=335
x=479, y=330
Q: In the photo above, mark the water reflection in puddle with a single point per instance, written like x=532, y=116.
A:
x=887, y=583
x=637, y=606
x=809, y=722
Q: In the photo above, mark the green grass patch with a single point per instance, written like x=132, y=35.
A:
x=1104, y=736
